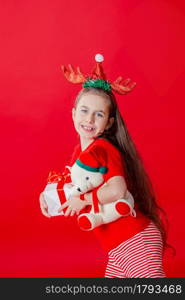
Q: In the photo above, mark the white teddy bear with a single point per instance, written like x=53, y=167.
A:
x=83, y=179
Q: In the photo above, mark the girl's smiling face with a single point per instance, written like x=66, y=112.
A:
x=91, y=116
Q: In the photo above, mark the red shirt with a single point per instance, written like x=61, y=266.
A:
x=114, y=233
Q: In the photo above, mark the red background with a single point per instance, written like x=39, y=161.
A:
x=143, y=40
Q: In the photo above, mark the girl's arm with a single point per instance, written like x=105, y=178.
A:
x=43, y=206
x=114, y=189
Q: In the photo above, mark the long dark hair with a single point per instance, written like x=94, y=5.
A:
x=137, y=180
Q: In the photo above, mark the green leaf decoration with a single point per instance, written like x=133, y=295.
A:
x=98, y=83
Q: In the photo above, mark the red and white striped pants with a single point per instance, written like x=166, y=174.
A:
x=138, y=257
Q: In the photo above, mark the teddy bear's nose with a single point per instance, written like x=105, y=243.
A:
x=78, y=189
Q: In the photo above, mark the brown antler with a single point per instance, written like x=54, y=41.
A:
x=72, y=75
x=123, y=86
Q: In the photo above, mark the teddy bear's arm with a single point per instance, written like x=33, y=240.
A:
x=88, y=198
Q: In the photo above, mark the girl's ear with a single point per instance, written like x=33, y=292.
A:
x=110, y=123
x=73, y=113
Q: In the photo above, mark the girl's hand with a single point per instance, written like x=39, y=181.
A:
x=43, y=206
x=74, y=205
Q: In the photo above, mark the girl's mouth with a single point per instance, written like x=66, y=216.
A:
x=87, y=128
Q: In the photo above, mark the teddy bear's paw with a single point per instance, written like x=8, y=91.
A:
x=122, y=208
x=84, y=223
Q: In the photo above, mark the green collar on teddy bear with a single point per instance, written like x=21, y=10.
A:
x=102, y=170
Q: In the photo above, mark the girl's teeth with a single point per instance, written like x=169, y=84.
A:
x=88, y=128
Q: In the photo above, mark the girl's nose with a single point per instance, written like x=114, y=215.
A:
x=90, y=118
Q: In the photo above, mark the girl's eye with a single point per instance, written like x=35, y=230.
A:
x=100, y=115
x=83, y=110
x=87, y=178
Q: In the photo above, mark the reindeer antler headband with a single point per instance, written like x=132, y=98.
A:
x=97, y=79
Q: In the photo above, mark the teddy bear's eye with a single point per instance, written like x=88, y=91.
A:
x=87, y=178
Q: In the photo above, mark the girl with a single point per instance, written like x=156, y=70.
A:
x=134, y=245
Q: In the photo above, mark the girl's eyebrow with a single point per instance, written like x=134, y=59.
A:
x=83, y=106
